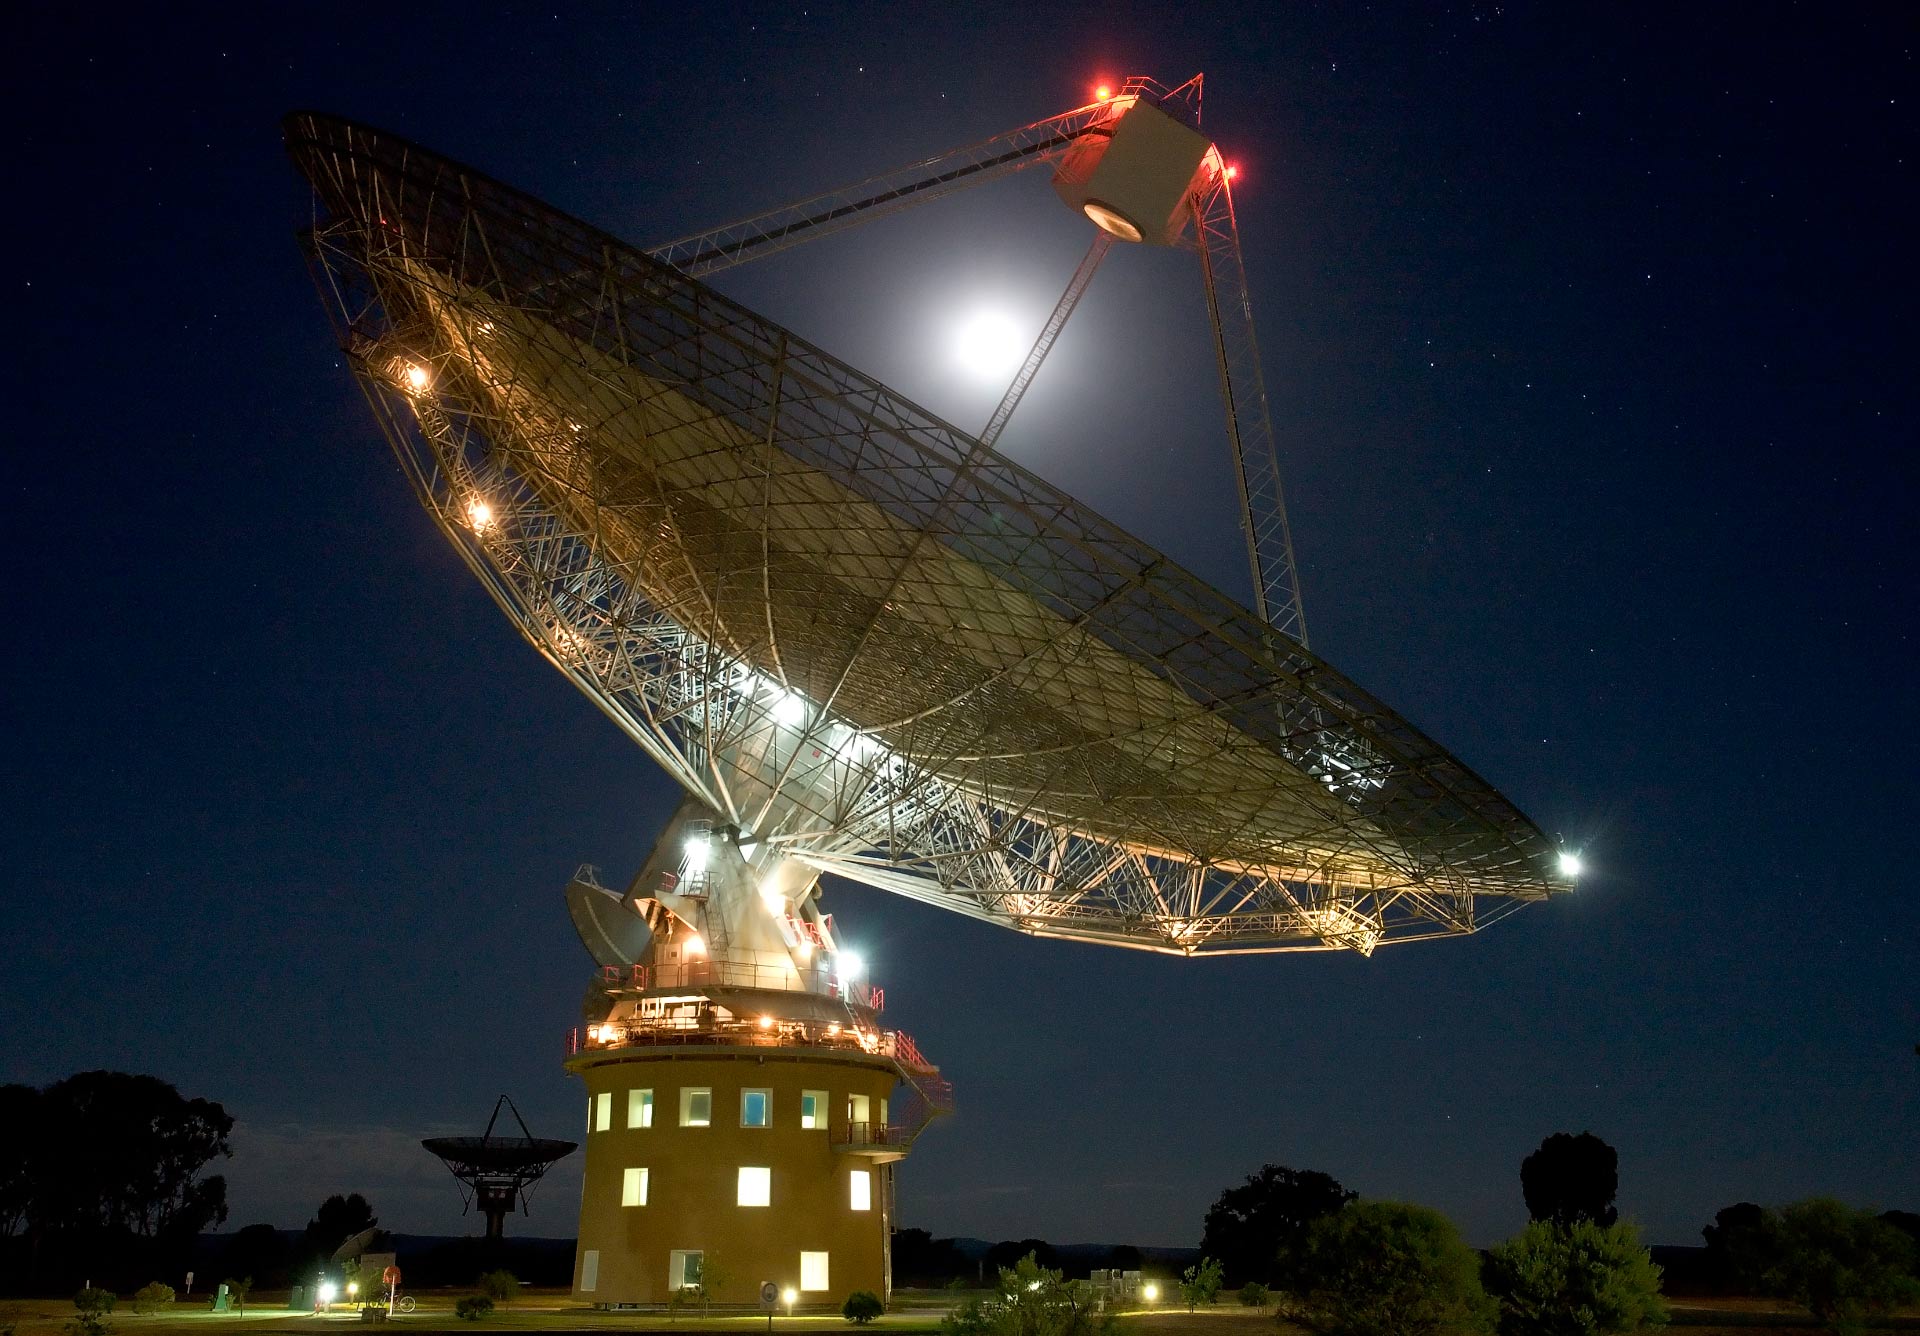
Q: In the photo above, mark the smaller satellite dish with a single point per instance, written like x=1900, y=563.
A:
x=613, y=933
x=354, y=1246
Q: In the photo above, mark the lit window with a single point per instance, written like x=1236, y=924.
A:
x=696, y=1106
x=603, y=1111
x=859, y=1109
x=683, y=1269
x=862, y=1190
x=633, y=1188
x=589, y=1269
x=756, y=1108
x=813, y=1271
x=756, y=1187
x=639, y=1108
x=813, y=1110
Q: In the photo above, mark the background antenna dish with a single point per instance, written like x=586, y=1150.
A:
x=496, y=1170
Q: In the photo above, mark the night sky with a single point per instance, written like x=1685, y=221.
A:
x=1590, y=341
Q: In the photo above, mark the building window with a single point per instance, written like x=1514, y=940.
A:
x=813, y=1271
x=756, y=1187
x=683, y=1269
x=603, y=1111
x=633, y=1188
x=756, y=1108
x=813, y=1110
x=589, y=1270
x=639, y=1108
x=859, y=1109
x=696, y=1106
x=862, y=1190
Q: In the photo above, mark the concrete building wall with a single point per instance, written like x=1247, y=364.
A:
x=693, y=1179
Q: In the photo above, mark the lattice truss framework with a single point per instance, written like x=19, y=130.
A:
x=846, y=628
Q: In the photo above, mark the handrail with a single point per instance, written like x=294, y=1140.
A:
x=820, y=981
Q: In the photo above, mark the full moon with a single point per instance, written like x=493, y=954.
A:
x=987, y=344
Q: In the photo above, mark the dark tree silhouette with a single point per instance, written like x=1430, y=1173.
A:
x=338, y=1219
x=19, y=1129
x=1740, y=1246
x=1258, y=1229
x=918, y=1256
x=1008, y=1252
x=123, y=1154
x=258, y=1251
x=1571, y=1178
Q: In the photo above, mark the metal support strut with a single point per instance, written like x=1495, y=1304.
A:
x=1062, y=309
x=1256, y=463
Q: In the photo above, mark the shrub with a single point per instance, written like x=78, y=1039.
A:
x=1388, y=1269
x=1839, y=1264
x=1582, y=1279
x=1200, y=1283
x=152, y=1298
x=1030, y=1300
x=237, y=1292
x=473, y=1308
x=94, y=1300
x=862, y=1307
x=1255, y=1295
x=499, y=1286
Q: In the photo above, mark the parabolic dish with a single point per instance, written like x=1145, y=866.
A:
x=497, y=1155
x=845, y=627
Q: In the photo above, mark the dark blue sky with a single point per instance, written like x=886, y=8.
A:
x=1590, y=341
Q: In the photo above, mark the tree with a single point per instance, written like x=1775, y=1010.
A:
x=257, y=1250
x=1839, y=1264
x=1008, y=1252
x=1387, y=1269
x=1581, y=1279
x=122, y=1154
x=19, y=1131
x=1740, y=1247
x=1258, y=1229
x=500, y=1285
x=1200, y=1283
x=918, y=1257
x=338, y=1219
x=1571, y=1178
x=1030, y=1300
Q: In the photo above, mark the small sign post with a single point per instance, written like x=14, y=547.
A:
x=769, y=1296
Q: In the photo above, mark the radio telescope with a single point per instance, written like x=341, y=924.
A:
x=865, y=643
x=494, y=1172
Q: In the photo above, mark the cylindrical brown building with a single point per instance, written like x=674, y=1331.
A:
x=726, y=1166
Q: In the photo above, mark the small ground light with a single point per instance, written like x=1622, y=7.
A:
x=1570, y=864
x=1149, y=1292
x=353, y=1288
x=325, y=1293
